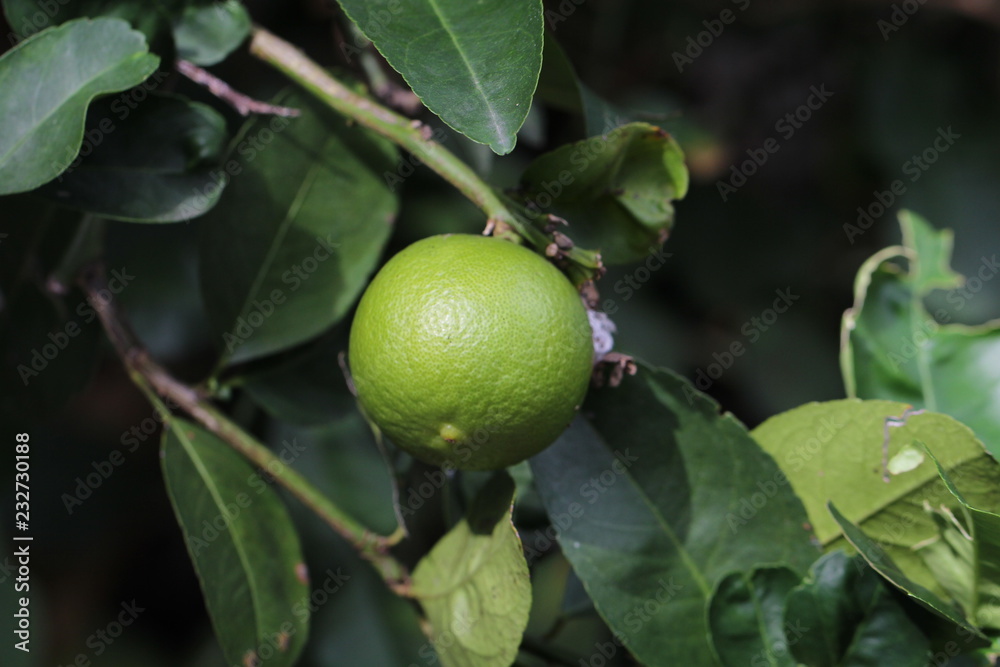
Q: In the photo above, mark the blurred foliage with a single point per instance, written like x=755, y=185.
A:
x=782, y=230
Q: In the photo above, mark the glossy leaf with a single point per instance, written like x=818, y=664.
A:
x=843, y=614
x=474, y=64
x=834, y=452
x=206, y=33
x=876, y=556
x=298, y=230
x=243, y=545
x=894, y=349
x=658, y=498
x=615, y=190
x=164, y=153
x=474, y=584
x=747, y=618
x=46, y=84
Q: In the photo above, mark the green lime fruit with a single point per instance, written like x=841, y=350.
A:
x=470, y=352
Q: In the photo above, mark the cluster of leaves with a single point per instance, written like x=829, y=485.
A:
x=683, y=536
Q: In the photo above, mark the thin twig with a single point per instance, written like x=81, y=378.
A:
x=244, y=104
x=156, y=382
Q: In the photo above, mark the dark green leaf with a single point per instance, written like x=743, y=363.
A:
x=243, y=545
x=206, y=33
x=164, y=153
x=834, y=452
x=657, y=499
x=474, y=64
x=614, y=189
x=306, y=386
x=341, y=459
x=875, y=555
x=46, y=83
x=894, y=349
x=843, y=614
x=152, y=19
x=747, y=618
x=559, y=87
x=474, y=584
x=298, y=230
x=49, y=333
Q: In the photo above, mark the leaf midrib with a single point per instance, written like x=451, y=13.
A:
x=495, y=120
x=213, y=491
x=279, y=236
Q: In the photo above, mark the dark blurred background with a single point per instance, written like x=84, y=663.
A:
x=894, y=86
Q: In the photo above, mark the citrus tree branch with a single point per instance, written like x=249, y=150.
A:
x=411, y=135
x=505, y=217
x=166, y=392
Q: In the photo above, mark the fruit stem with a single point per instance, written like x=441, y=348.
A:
x=166, y=392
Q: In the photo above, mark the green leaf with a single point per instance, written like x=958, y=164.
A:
x=843, y=614
x=474, y=584
x=658, y=498
x=164, y=153
x=152, y=19
x=877, y=557
x=340, y=458
x=306, y=385
x=474, y=64
x=243, y=545
x=46, y=83
x=560, y=88
x=966, y=556
x=834, y=452
x=615, y=189
x=206, y=33
x=747, y=617
x=298, y=231
x=894, y=349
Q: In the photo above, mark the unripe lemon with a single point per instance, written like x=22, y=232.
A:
x=470, y=352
